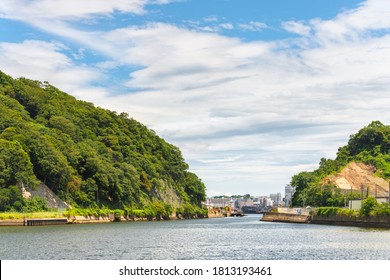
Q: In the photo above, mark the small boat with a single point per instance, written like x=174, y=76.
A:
x=237, y=214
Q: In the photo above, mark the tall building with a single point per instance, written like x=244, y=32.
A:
x=276, y=198
x=288, y=193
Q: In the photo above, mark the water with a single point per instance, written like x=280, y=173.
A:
x=243, y=238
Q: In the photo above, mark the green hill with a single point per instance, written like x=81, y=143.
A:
x=369, y=146
x=88, y=156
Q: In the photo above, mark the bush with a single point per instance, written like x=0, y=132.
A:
x=118, y=214
x=327, y=211
x=348, y=212
x=87, y=212
x=368, y=205
x=35, y=204
x=382, y=209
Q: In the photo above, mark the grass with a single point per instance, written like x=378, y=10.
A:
x=37, y=215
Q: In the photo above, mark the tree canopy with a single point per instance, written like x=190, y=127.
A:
x=370, y=145
x=89, y=156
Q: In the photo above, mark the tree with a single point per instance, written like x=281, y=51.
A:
x=88, y=156
x=15, y=165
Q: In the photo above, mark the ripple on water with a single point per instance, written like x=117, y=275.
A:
x=229, y=238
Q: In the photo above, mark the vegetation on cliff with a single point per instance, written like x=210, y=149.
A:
x=371, y=145
x=89, y=156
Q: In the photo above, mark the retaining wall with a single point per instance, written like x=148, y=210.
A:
x=284, y=217
x=16, y=222
x=374, y=222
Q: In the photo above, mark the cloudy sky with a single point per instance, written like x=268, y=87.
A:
x=251, y=91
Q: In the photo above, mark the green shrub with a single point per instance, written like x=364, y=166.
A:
x=327, y=211
x=118, y=214
x=348, y=212
x=35, y=204
x=382, y=209
x=368, y=205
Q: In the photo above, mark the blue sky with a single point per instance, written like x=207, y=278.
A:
x=251, y=91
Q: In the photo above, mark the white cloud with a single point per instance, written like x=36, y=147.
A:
x=212, y=18
x=45, y=61
x=70, y=9
x=253, y=26
x=228, y=26
x=297, y=27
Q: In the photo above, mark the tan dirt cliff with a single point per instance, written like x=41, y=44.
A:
x=358, y=177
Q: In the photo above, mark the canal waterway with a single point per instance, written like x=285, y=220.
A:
x=242, y=238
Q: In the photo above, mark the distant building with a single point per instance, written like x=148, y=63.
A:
x=262, y=201
x=288, y=193
x=276, y=199
x=219, y=202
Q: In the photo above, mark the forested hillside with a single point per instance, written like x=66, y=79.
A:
x=89, y=156
x=371, y=146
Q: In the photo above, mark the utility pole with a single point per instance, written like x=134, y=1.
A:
x=388, y=193
x=376, y=190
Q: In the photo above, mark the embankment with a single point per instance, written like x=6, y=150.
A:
x=284, y=217
x=90, y=219
x=14, y=222
x=370, y=221
x=216, y=213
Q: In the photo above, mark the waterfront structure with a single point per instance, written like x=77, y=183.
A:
x=237, y=202
x=220, y=202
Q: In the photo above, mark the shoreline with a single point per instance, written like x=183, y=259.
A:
x=37, y=221
x=367, y=222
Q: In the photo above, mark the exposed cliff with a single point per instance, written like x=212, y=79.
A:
x=358, y=176
x=361, y=168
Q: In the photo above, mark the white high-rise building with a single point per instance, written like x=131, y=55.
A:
x=276, y=198
x=288, y=193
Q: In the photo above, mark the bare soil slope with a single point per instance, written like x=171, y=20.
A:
x=359, y=176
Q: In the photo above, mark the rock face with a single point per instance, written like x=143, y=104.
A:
x=358, y=177
x=52, y=200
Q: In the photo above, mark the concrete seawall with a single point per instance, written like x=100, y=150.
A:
x=15, y=222
x=370, y=222
x=90, y=219
x=285, y=218
x=373, y=222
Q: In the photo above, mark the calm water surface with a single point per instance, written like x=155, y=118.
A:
x=227, y=238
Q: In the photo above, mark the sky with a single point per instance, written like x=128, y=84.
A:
x=252, y=92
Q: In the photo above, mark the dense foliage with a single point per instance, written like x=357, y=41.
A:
x=370, y=145
x=370, y=207
x=90, y=157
